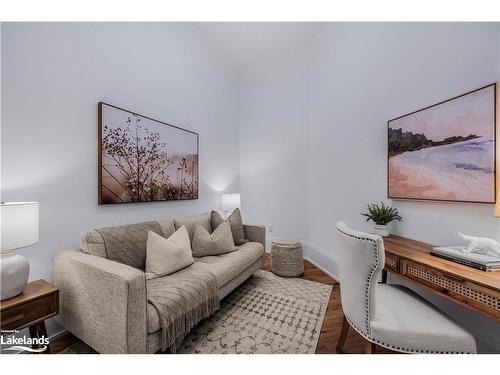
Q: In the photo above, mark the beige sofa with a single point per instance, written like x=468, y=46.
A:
x=103, y=296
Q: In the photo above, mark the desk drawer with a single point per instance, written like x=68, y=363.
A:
x=29, y=313
x=392, y=262
x=460, y=289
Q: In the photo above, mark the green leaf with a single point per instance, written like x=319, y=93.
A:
x=381, y=215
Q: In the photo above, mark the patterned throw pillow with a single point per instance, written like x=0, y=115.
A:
x=219, y=242
x=167, y=255
x=236, y=225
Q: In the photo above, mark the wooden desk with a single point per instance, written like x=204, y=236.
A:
x=475, y=289
x=39, y=301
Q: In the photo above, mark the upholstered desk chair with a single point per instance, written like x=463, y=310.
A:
x=391, y=316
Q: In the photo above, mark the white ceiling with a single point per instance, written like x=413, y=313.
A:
x=249, y=42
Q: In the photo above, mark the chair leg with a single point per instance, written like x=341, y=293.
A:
x=343, y=335
x=370, y=347
x=384, y=277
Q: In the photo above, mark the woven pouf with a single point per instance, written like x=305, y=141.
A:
x=286, y=258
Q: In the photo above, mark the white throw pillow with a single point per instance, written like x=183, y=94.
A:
x=219, y=242
x=235, y=222
x=167, y=255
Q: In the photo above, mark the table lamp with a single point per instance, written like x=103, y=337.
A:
x=19, y=223
x=230, y=202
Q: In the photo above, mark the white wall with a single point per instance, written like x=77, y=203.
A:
x=359, y=75
x=273, y=144
x=365, y=74
x=0, y=109
x=312, y=126
x=53, y=76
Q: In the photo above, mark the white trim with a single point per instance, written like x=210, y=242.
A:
x=319, y=257
x=322, y=269
x=58, y=334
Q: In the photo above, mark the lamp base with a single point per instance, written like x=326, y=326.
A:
x=15, y=272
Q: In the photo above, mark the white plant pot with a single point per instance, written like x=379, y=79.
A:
x=381, y=230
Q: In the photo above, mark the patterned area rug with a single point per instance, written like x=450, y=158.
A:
x=267, y=314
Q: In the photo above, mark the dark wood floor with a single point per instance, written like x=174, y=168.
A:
x=329, y=332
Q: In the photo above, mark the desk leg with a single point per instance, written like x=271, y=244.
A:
x=370, y=348
x=39, y=330
x=384, y=277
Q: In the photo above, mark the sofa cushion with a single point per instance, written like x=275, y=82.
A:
x=93, y=243
x=236, y=225
x=167, y=227
x=125, y=243
x=191, y=221
x=226, y=267
x=167, y=255
x=217, y=243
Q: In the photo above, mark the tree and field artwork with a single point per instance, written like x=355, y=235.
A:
x=446, y=151
x=144, y=160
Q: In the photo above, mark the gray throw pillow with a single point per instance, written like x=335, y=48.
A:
x=236, y=225
x=219, y=242
x=167, y=255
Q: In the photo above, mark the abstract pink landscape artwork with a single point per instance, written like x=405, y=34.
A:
x=446, y=151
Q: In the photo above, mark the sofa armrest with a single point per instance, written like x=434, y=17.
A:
x=256, y=233
x=102, y=302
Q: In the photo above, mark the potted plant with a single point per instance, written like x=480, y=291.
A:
x=381, y=216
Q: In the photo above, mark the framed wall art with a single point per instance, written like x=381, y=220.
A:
x=144, y=160
x=445, y=152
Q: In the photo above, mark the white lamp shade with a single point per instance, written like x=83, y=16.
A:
x=231, y=202
x=19, y=224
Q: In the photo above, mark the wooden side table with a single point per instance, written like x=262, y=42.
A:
x=39, y=301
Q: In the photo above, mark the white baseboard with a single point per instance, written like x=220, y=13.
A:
x=322, y=269
x=316, y=255
x=58, y=334
x=324, y=260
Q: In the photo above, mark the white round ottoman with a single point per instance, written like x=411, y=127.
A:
x=286, y=258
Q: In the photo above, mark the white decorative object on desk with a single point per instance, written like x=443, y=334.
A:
x=19, y=229
x=231, y=202
x=476, y=244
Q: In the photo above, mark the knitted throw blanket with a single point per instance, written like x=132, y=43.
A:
x=182, y=300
